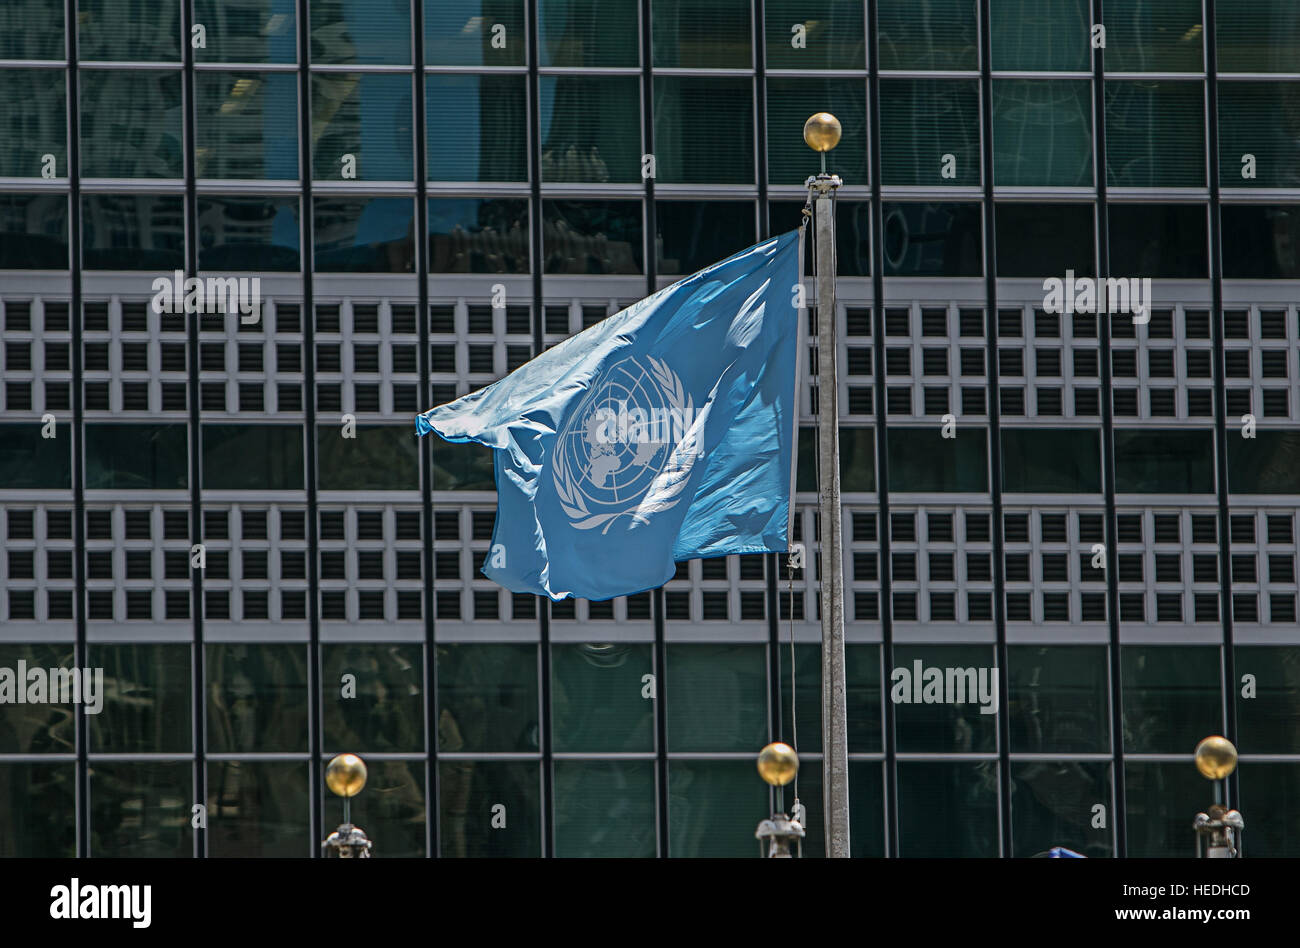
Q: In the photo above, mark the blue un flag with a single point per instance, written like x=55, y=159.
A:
x=663, y=433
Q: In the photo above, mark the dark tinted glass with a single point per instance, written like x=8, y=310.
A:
x=789, y=103
x=465, y=825
x=1269, y=463
x=257, y=697
x=852, y=233
x=1040, y=34
x=252, y=457
x=1166, y=462
x=1051, y=461
x=246, y=125
x=32, y=30
x=683, y=106
x=831, y=35
x=250, y=31
x=592, y=236
x=1162, y=241
x=941, y=34
x=1155, y=134
x=133, y=232
x=33, y=231
x=922, y=462
x=29, y=461
x=136, y=457
x=1059, y=699
x=709, y=34
x=129, y=31
x=921, y=122
x=1261, y=119
x=933, y=239
x=378, y=458
x=475, y=33
x=1257, y=35
x=1260, y=241
x=38, y=798
x=1158, y=797
x=248, y=233
x=386, y=710
x=147, y=699
x=948, y=809
x=366, y=116
x=364, y=235
x=1042, y=133
x=692, y=235
x=1268, y=722
x=360, y=31
x=591, y=128
x=34, y=113
x=1171, y=697
x=478, y=235
x=490, y=117
x=131, y=124
x=588, y=33
x=1052, y=805
x=1043, y=240
x=139, y=808
x=1154, y=35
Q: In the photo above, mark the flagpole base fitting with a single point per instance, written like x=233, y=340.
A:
x=347, y=842
x=777, y=835
x=1217, y=832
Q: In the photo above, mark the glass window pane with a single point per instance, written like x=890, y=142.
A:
x=592, y=236
x=488, y=698
x=692, y=235
x=1155, y=134
x=141, y=809
x=1260, y=241
x=29, y=461
x=790, y=101
x=596, y=702
x=1041, y=35
x=588, y=33
x=147, y=700
x=1051, y=461
x=1059, y=699
x=719, y=697
x=462, y=467
x=1161, y=241
x=246, y=124
x=940, y=34
x=475, y=33
x=490, y=116
x=131, y=124
x=32, y=30
x=468, y=790
x=943, y=726
x=367, y=116
x=1043, y=240
x=1171, y=697
x=34, y=116
x=1257, y=35
x=364, y=235
x=852, y=233
x=1270, y=790
x=254, y=233
x=857, y=460
x=391, y=809
x=37, y=728
x=478, y=235
x=948, y=809
x=1265, y=464
x=933, y=239
x=865, y=714
x=40, y=802
x=360, y=31
x=386, y=712
x=1260, y=119
x=1269, y=721
x=252, y=457
x=1153, y=35
x=1160, y=800
x=33, y=231
x=709, y=34
x=922, y=121
x=248, y=31
x=712, y=806
x=1164, y=462
x=866, y=809
x=590, y=128
x=1042, y=133
x=1052, y=805
x=684, y=107
x=133, y=232
x=129, y=30
x=137, y=457
x=380, y=457
x=257, y=698
x=605, y=808
x=815, y=34
x=259, y=809
x=808, y=690
x=920, y=462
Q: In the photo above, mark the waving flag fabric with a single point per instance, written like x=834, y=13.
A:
x=663, y=433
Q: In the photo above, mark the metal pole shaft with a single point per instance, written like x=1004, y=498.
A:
x=835, y=778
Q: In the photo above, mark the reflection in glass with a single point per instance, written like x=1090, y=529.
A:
x=933, y=239
x=683, y=107
x=866, y=809
x=257, y=698
x=1154, y=35
x=1058, y=699
x=948, y=809
x=259, y=809
x=137, y=457
x=129, y=30
x=939, y=34
x=37, y=728
x=1042, y=240
x=832, y=35
x=918, y=464
x=33, y=231
x=29, y=461
x=364, y=235
x=596, y=702
x=1052, y=804
x=1160, y=800
x=147, y=699
x=708, y=34
x=360, y=31
x=1270, y=791
x=852, y=233
x=39, y=800
x=588, y=33
x=487, y=696
x=387, y=711
x=1265, y=464
x=478, y=235
x=131, y=124
x=1155, y=134
x=1159, y=240
x=1171, y=697
x=32, y=29
x=695, y=234
x=248, y=31
x=133, y=232
x=468, y=793
x=391, y=809
x=34, y=115
x=1164, y=462
x=1041, y=34
x=1257, y=35
x=719, y=698
x=367, y=116
x=252, y=457
x=605, y=808
x=380, y=457
x=466, y=33
x=592, y=236
x=1051, y=461
x=921, y=121
x=141, y=809
x=246, y=125
x=712, y=806
x=789, y=103
x=1261, y=241
x=944, y=727
x=258, y=234
x=1042, y=133
x=477, y=128
x=590, y=128
x=463, y=467
x=1260, y=119
x=1269, y=723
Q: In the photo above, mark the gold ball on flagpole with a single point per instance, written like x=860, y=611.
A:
x=1216, y=757
x=346, y=775
x=822, y=131
x=778, y=763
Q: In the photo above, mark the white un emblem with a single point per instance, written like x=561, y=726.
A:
x=629, y=446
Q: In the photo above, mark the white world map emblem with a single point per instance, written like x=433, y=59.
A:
x=629, y=447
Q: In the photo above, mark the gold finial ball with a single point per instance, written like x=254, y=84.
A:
x=346, y=775
x=822, y=131
x=778, y=763
x=1216, y=757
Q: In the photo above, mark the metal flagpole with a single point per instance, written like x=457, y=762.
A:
x=822, y=133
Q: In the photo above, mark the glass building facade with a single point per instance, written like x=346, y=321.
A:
x=430, y=193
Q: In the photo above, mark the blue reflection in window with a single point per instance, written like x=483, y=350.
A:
x=478, y=235
x=366, y=235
